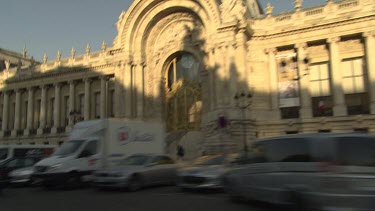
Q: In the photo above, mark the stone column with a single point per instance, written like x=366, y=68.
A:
x=103, y=96
x=370, y=59
x=274, y=90
x=339, y=108
x=139, y=88
x=43, y=111
x=71, y=102
x=30, y=111
x=87, y=99
x=128, y=85
x=56, y=111
x=304, y=82
x=17, y=113
x=5, y=111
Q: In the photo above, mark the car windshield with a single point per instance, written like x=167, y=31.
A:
x=69, y=148
x=135, y=160
x=210, y=160
x=3, y=154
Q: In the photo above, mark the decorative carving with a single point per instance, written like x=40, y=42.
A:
x=298, y=4
x=73, y=53
x=232, y=10
x=45, y=58
x=58, y=56
x=104, y=46
x=270, y=51
x=269, y=10
x=7, y=64
x=88, y=49
x=301, y=45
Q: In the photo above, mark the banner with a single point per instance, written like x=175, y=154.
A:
x=287, y=69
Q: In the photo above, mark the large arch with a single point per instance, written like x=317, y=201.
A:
x=142, y=12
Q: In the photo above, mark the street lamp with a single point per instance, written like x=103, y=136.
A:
x=243, y=101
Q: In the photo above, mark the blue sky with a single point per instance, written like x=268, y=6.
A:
x=46, y=26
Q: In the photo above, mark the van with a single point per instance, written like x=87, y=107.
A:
x=332, y=171
x=98, y=144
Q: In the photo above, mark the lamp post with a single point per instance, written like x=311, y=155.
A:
x=243, y=101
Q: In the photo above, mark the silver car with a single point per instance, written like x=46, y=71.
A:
x=309, y=171
x=205, y=172
x=138, y=171
x=22, y=176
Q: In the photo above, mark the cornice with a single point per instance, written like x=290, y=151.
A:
x=313, y=28
x=56, y=73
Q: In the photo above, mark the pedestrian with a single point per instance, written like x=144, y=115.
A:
x=180, y=153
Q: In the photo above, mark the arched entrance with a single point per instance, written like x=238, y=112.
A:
x=183, y=94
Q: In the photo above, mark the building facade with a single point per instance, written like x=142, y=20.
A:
x=219, y=74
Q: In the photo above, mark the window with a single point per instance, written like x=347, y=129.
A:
x=81, y=103
x=92, y=147
x=320, y=89
x=288, y=150
x=354, y=77
x=356, y=151
x=97, y=105
x=112, y=106
x=37, y=113
x=357, y=103
x=360, y=130
x=322, y=106
x=324, y=131
x=289, y=112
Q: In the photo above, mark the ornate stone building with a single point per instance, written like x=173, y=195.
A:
x=218, y=73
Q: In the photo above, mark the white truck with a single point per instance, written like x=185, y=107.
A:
x=99, y=144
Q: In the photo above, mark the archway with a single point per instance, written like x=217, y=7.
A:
x=183, y=93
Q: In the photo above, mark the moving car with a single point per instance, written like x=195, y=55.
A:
x=318, y=171
x=22, y=176
x=206, y=172
x=138, y=171
x=13, y=164
x=97, y=144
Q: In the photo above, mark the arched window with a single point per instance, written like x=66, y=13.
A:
x=183, y=101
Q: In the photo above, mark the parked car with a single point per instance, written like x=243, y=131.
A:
x=138, y=171
x=206, y=172
x=23, y=176
x=317, y=171
x=14, y=164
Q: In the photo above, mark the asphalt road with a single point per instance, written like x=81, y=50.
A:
x=153, y=199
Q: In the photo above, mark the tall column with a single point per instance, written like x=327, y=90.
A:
x=17, y=117
x=370, y=59
x=86, y=111
x=212, y=79
x=305, y=110
x=103, y=96
x=128, y=85
x=56, y=111
x=139, y=88
x=5, y=111
x=274, y=91
x=43, y=111
x=30, y=111
x=339, y=108
x=71, y=101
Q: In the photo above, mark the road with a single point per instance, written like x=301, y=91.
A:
x=153, y=199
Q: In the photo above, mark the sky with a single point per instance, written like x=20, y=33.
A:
x=47, y=26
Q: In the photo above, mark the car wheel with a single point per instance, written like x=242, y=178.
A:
x=135, y=183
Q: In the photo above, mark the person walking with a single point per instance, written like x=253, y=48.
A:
x=180, y=152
